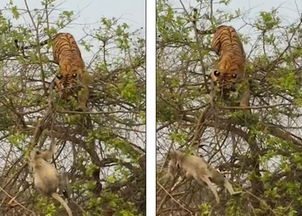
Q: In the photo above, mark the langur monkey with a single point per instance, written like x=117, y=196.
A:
x=46, y=178
x=198, y=168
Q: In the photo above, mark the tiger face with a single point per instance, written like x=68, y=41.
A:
x=67, y=84
x=223, y=78
x=231, y=64
x=228, y=71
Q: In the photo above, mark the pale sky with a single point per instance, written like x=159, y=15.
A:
x=131, y=12
x=289, y=10
x=89, y=12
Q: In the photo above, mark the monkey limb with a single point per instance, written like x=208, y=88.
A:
x=46, y=177
x=172, y=168
x=200, y=170
x=64, y=204
x=218, y=178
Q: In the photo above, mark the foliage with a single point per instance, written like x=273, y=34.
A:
x=102, y=150
x=259, y=150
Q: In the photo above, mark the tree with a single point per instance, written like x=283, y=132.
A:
x=101, y=150
x=259, y=151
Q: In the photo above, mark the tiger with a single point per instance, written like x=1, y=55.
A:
x=231, y=64
x=72, y=74
x=230, y=68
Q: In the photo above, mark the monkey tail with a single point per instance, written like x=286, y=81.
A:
x=57, y=197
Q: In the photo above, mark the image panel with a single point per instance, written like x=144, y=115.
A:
x=72, y=123
x=228, y=108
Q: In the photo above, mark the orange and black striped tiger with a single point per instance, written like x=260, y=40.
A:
x=72, y=77
x=231, y=64
x=72, y=74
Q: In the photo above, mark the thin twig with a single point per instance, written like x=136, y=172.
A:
x=38, y=46
x=13, y=199
x=176, y=201
x=261, y=200
x=94, y=113
x=253, y=107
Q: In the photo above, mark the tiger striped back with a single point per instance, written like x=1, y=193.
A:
x=67, y=54
x=231, y=64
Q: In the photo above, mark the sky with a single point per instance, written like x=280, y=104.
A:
x=89, y=12
x=92, y=10
x=290, y=11
x=133, y=11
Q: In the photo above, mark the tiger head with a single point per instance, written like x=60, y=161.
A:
x=228, y=71
x=67, y=84
x=67, y=80
x=223, y=79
